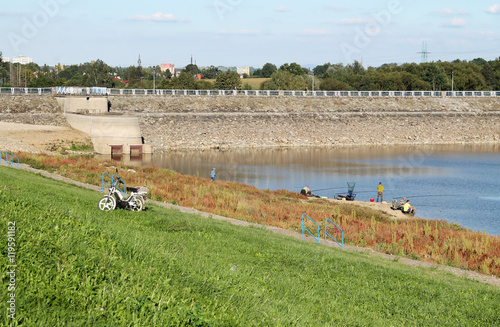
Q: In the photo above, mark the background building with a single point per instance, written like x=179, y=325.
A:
x=170, y=67
x=21, y=59
x=243, y=70
x=5, y=59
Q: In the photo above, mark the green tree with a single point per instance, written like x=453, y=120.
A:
x=210, y=72
x=267, y=70
x=204, y=85
x=489, y=75
x=131, y=74
x=3, y=71
x=330, y=84
x=359, y=82
x=22, y=75
x=413, y=83
x=228, y=81
x=293, y=68
x=99, y=74
x=435, y=76
x=192, y=69
x=479, y=61
x=284, y=80
x=68, y=72
x=338, y=72
x=356, y=68
x=185, y=81
x=469, y=79
x=321, y=70
x=43, y=80
x=166, y=74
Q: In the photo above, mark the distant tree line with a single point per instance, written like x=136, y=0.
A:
x=474, y=75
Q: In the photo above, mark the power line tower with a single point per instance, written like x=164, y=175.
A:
x=191, y=66
x=424, y=52
x=139, y=69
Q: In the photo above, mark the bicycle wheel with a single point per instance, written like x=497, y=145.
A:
x=107, y=203
x=138, y=204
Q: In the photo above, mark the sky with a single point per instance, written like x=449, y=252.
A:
x=246, y=33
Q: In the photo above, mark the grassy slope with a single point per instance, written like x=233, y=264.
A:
x=79, y=266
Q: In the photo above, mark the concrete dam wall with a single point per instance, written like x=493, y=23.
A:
x=223, y=122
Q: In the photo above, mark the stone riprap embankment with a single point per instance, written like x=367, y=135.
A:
x=238, y=121
x=201, y=122
x=31, y=109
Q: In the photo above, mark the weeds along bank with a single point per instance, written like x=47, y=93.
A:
x=201, y=122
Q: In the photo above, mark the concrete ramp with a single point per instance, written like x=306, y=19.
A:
x=111, y=134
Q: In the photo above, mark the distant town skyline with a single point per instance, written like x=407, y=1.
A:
x=237, y=33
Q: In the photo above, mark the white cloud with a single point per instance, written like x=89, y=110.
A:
x=282, y=9
x=157, y=17
x=310, y=31
x=352, y=21
x=241, y=32
x=449, y=11
x=337, y=9
x=444, y=11
x=495, y=9
x=487, y=33
x=455, y=22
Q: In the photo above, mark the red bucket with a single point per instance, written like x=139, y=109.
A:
x=372, y=200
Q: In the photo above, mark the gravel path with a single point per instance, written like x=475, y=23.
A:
x=492, y=280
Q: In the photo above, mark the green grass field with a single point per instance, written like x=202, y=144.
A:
x=253, y=82
x=78, y=266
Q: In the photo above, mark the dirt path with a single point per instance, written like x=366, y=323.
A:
x=492, y=280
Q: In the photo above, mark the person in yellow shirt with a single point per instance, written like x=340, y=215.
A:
x=380, y=192
x=408, y=208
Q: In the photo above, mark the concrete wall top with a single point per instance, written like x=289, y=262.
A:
x=93, y=105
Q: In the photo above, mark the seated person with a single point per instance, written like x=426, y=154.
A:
x=305, y=191
x=408, y=208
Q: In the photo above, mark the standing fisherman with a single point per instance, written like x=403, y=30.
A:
x=380, y=192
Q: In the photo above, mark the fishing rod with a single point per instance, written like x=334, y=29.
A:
x=323, y=189
x=424, y=196
x=326, y=189
x=372, y=191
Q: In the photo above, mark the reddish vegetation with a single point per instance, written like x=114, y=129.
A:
x=427, y=240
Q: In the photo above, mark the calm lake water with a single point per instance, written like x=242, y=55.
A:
x=454, y=183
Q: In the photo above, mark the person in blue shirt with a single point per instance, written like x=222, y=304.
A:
x=212, y=175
